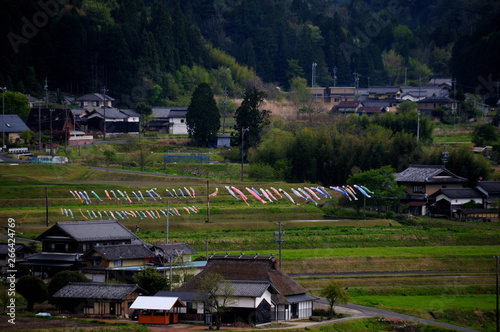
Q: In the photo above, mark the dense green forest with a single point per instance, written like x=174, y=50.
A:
x=158, y=51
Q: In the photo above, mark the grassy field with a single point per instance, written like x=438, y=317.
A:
x=439, y=250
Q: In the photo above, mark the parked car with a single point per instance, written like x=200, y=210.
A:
x=134, y=315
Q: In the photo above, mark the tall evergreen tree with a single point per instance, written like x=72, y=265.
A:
x=249, y=115
x=203, y=116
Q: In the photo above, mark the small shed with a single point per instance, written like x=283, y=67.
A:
x=158, y=309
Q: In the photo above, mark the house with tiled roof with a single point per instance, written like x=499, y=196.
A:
x=171, y=120
x=98, y=299
x=95, y=100
x=347, y=107
x=421, y=181
x=429, y=104
x=448, y=200
x=492, y=191
x=262, y=291
x=118, y=121
x=20, y=251
x=64, y=243
x=12, y=126
x=113, y=262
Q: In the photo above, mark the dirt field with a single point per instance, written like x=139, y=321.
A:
x=43, y=324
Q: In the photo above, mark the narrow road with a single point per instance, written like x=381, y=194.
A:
x=373, y=312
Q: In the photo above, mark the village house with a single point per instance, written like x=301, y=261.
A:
x=118, y=121
x=21, y=251
x=170, y=120
x=429, y=104
x=64, y=243
x=421, y=181
x=98, y=299
x=56, y=121
x=116, y=262
x=12, y=126
x=95, y=100
x=447, y=201
x=262, y=292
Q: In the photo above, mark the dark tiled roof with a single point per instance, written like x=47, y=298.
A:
x=439, y=99
x=383, y=89
x=130, y=112
x=491, y=187
x=248, y=269
x=54, y=256
x=98, y=291
x=183, y=296
x=95, y=97
x=123, y=251
x=12, y=123
x=4, y=248
x=182, y=248
x=428, y=174
x=103, y=230
x=111, y=113
x=377, y=103
x=459, y=193
x=249, y=288
x=167, y=112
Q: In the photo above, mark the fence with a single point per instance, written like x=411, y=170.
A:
x=186, y=159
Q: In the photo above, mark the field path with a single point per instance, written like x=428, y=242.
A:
x=145, y=173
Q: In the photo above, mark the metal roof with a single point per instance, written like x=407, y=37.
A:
x=12, y=123
x=156, y=303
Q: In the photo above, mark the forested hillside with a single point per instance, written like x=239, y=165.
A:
x=158, y=51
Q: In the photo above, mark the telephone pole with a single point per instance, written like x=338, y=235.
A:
x=279, y=238
x=104, y=95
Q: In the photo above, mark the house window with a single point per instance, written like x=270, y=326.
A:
x=85, y=103
x=182, y=120
x=66, y=247
x=337, y=100
x=52, y=247
x=418, y=189
x=117, y=263
x=95, y=103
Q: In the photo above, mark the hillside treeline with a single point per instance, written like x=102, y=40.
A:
x=158, y=51
x=328, y=153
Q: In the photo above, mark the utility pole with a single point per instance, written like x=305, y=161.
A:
x=497, y=313
x=39, y=126
x=224, y=122
x=313, y=80
x=243, y=131
x=208, y=203
x=335, y=77
x=168, y=213
x=418, y=125
x=104, y=94
x=279, y=238
x=356, y=79
x=50, y=112
x=406, y=74
x=46, y=207
x=3, y=117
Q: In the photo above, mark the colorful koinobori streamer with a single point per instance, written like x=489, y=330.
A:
x=123, y=214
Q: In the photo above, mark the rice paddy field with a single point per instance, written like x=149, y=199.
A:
x=425, y=267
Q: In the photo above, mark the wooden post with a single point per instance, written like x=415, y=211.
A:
x=46, y=208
